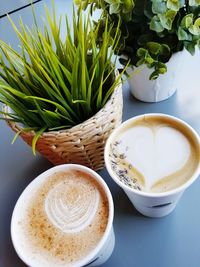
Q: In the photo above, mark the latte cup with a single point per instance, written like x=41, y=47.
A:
x=54, y=220
x=140, y=152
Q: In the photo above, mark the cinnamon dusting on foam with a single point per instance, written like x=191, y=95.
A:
x=48, y=241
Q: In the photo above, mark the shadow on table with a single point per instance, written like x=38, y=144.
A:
x=9, y=195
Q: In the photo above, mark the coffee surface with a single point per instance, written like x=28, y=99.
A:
x=154, y=154
x=64, y=219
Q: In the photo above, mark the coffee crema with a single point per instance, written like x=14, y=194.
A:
x=154, y=154
x=64, y=219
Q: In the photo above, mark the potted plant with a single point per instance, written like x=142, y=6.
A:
x=155, y=36
x=63, y=97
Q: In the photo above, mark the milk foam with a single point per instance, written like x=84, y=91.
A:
x=66, y=209
x=155, y=153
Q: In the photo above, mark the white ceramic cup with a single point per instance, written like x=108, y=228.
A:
x=148, y=203
x=104, y=248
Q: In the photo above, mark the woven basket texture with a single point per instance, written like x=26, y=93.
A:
x=84, y=143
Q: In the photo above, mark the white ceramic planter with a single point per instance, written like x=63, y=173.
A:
x=164, y=86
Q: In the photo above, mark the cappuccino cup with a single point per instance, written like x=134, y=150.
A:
x=64, y=217
x=153, y=158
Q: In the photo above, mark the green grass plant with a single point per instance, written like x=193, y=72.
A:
x=52, y=83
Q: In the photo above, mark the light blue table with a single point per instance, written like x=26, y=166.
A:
x=172, y=241
x=12, y=6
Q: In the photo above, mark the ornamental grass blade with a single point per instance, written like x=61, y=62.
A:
x=55, y=30
x=52, y=118
x=13, y=57
x=23, y=40
x=75, y=75
x=66, y=118
x=43, y=115
x=49, y=79
x=79, y=101
x=89, y=89
x=55, y=65
x=48, y=89
x=75, y=30
x=18, y=107
x=68, y=35
x=67, y=73
x=60, y=127
x=58, y=106
x=15, y=78
x=14, y=91
x=8, y=73
x=99, y=96
x=82, y=56
x=9, y=116
x=21, y=131
x=104, y=49
x=36, y=137
x=113, y=86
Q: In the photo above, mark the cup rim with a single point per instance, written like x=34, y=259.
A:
x=86, y=260
x=142, y=193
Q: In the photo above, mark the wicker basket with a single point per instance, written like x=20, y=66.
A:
x=83, y=143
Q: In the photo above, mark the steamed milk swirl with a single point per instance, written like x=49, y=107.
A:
x=69, y=208
x=64, y=220
x=154, y=154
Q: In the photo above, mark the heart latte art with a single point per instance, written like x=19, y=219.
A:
x=71, y=207
x=63, y=220
x=154, y=155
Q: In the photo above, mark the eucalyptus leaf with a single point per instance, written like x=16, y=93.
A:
x=156, y=24
x=173, y=4
x=159, y=6
x=183, y=35
x=173, y=24
x=167, y=19
x=194, y=2
x=187, y=21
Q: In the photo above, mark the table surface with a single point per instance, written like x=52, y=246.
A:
x=12, y=6
x=171, y=241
